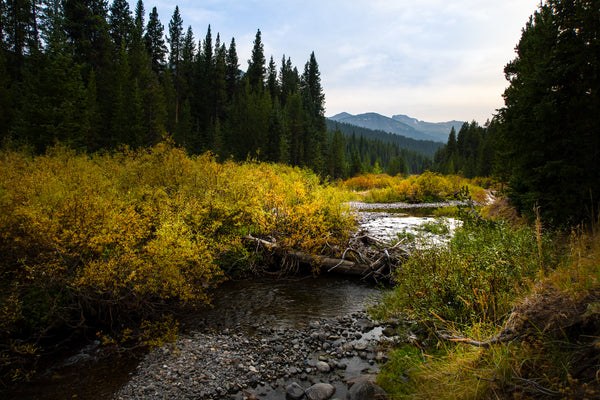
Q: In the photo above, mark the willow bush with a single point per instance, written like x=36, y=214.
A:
x=473, y=280
x=427, y=187
x=96, y=241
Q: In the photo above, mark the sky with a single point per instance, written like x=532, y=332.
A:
x=435, y=60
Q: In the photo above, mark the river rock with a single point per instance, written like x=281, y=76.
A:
x=363, y=387
x=294, y=391
x=322, y=366
x=320, y=391
x=365, y=324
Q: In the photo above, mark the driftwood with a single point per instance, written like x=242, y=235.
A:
x=364, y=256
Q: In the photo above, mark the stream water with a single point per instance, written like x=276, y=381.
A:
x=241, y=306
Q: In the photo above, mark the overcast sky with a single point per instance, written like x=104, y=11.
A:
x=435, y=60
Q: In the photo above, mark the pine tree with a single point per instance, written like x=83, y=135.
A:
x=272, y=84
x=175, y=40
x=232, y=71
x=313, y=100
x=155, y=42
x=20, y=34
x=219, y=80
x=256, y=65
x=337, y=156
x=548, y=127
x=120, y=24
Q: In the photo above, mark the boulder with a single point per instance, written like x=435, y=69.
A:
x=294, y=391
x=364, y=388
x=320, y=391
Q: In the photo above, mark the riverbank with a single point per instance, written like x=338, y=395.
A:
x=273, y=362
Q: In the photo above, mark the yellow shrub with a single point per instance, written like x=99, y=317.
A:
x=88, y=239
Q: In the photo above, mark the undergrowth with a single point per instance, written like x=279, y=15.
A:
x=486, y=321
x=97, y=242
x=425, y=188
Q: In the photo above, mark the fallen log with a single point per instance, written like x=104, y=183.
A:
x=373, y=264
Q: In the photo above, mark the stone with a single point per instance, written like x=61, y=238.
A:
x=360, y=346
x=388, y=331
x=363, y=387
x=365, y=324
x=294, y=391
x=322, y=366
x=320, y=391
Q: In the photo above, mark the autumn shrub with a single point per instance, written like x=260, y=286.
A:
x=102, y=240
x=424, y=188
x=369, y=181
x=475, y=278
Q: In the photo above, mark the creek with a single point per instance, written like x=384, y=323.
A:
x=258, y=337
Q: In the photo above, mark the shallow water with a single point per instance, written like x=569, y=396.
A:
x=282, y=303
x=237, y=305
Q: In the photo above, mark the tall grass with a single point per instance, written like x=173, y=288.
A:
x=488, y=284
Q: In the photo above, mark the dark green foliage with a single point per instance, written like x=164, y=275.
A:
x=96, y=77
x=395, y=154
x=120, y=23
x=155, y=42
x=471, y=153
x=549, y=127
x=256, y=65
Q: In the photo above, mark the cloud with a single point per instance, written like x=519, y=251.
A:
x=432, y=58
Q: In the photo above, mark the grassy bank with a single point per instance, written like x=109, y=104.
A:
x=504, y=312
x=113, y=241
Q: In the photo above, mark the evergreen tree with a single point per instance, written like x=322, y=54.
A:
x=272, y=84
x=232, y=71
x=155, y=42
x=220, y=80
x=295, y=124
x=256, y=65
x=87, y=30
x=120, y=24
x=337, y=156
x=397, y=166
x=19, y=31
x=175, y=40
x=549, y=126
x=314, y=109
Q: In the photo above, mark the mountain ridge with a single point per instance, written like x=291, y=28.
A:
x=400, y=124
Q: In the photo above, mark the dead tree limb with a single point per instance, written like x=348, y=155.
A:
x=370, y=257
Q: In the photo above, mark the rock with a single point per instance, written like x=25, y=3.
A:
x=320, y=391
x=365, y=324
x=294, y=391
x=360, y=346
x=322, y=366
x=388, y=331
x=363, y=387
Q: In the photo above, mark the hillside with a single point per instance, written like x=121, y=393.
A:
x=400, y=125
x=425, y=147
x=438, y=130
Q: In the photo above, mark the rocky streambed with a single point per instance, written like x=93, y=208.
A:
x=328, y=358
x=263, y=339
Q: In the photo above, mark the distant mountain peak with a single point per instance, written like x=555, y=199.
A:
x=401, y=124
x=340, y=116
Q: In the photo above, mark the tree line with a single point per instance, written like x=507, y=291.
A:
x=96, y=77
x=369, y=150
x=545, y=142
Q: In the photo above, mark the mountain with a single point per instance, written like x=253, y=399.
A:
x=400, y=125
x=439, y=130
